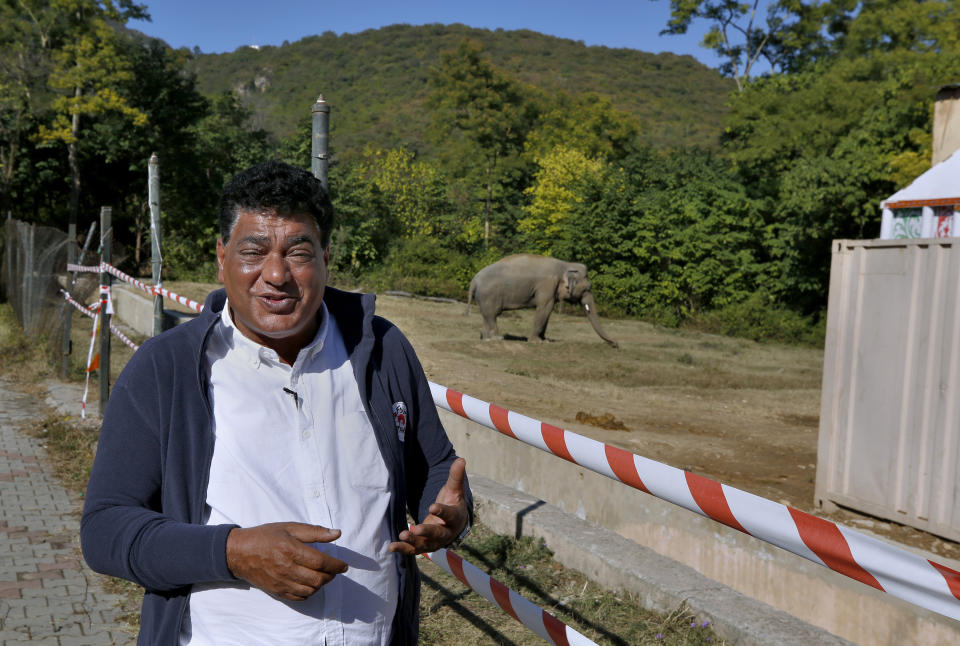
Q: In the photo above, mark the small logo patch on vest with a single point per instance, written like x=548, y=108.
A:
x=400, y=419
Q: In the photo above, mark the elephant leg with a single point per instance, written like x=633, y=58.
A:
x=489, y=330
x=540, y=320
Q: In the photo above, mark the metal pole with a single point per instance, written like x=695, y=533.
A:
x=155, y=259
x=67, y=310
x=319, y=155
x=86, y=246
x=106, y=234
x=26, y=286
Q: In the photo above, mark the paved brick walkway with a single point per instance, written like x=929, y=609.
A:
x=47, y=594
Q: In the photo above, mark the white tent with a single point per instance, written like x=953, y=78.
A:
x=929, y=207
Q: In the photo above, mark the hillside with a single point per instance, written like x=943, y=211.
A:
x=376, y=82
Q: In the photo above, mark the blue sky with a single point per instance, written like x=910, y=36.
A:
x=222, y=26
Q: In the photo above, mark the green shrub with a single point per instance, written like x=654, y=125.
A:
x=761, y=319
x=190, y=258
x=424, y=266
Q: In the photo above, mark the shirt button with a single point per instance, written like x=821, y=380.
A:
x=316, y=493
x=304, y=435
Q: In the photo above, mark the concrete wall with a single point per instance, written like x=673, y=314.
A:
x=752, y=567
x=135, y=309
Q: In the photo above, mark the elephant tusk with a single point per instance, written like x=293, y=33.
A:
x=586, y=307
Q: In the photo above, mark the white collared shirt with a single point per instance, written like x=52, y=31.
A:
x=293, y=443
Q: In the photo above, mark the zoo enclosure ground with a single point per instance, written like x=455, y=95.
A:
x=734, y=410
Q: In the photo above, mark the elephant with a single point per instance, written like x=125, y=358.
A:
x=523, y=281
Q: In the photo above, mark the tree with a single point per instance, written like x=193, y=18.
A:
x=799, y=34
x=221, y=143
x=670, y=236
x=735, y=34
x=588, y=122
x=485, y=105
x=414, y=191
x=168, y=96
x=24, y=65
x=565, y=179
x=87, y=66
x=820, y=147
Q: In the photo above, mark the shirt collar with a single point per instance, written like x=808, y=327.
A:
x=258, y=354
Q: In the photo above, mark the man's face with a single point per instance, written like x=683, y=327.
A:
x=274, y=269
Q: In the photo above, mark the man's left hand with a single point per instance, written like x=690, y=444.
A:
x=447, y=518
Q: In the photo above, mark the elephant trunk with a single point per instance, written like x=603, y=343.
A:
x=591, y=308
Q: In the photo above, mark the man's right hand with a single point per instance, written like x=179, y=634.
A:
x=277, y=558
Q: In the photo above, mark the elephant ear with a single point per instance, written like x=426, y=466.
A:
x=570, y=279
x=563, y=288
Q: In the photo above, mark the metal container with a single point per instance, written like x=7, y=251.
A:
x=890, y=407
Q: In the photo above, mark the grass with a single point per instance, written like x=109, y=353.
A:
x=70, y=448
x=450, y=613
x=24, y=360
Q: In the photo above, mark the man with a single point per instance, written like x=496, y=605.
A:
x=255, y=465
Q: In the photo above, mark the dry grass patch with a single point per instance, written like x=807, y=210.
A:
x=70, y=448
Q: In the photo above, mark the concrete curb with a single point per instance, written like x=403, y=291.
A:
x=660, y=583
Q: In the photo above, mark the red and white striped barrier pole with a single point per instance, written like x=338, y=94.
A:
x=858, y=556
x=541, y=622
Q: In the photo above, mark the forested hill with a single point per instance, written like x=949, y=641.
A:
x=376, y=82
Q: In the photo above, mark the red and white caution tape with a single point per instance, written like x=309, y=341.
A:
x=150, y=289
x=123, y=337
x=90, y=366
x=84, y=268
x=127, y=278
x=183, y=300
x=92, y=313
x=541, y=622
x=83, y=308
x=858, y=556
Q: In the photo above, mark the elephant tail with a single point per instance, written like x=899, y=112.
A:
x=470, y=293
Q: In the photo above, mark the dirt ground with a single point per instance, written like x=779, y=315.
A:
x=737, y=411
x=740, y=412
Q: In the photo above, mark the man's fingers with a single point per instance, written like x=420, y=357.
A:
x=315, y=560
x=421, y=538
x=314, y=578
x=296, y=591
x=301, y=583
x=311, y=533
x=402, y=547
x=446, y=514
x=279, y=559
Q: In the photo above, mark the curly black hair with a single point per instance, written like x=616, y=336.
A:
x=279, y=187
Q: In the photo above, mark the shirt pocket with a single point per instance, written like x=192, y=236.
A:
x=359, y=450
